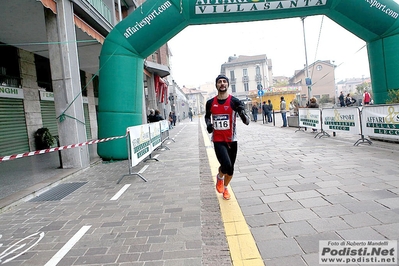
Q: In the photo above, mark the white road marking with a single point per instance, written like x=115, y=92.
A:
x=67, y=247
x=145, y=167
x=120, y=192
x=17, y=246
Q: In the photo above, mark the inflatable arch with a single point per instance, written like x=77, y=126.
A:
x=156, y=21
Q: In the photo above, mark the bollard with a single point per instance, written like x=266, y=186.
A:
x=59, y=152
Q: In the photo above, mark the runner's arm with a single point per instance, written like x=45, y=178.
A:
x=239, y=107
x=208, y=121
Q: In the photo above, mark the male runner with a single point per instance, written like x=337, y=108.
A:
x=220, y=118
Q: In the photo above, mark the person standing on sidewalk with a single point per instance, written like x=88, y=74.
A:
x=269, y=111
x=283, y=110
x=366, y=98
x=264, y=112
x=255, y=111
x=220, y=118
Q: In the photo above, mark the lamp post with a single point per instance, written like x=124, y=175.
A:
x=308, y=81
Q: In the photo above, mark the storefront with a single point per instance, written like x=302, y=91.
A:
x=13, y=132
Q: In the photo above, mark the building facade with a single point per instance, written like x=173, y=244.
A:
x=321, y=75
x=248, y=73
x=49, y=65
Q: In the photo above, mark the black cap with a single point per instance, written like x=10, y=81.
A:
x=222, y=77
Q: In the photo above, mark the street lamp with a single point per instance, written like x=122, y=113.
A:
x=308, y=80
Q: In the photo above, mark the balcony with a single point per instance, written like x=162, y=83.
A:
x=258, y=79
x=101, y=8
x=10, y=81
x=245, y=79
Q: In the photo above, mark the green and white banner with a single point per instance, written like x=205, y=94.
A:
x=155, y=134
x=342, y=119
x=310, y=118
x=140, y=143
x=381, y=121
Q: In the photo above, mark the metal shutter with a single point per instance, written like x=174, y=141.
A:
x=13, y=133
x=48, y=116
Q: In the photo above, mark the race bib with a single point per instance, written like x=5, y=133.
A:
x=221, y=122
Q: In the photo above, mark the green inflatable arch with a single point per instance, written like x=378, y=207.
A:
x=156, y=21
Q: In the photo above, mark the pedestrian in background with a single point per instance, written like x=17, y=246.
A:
x=269, y=111
x=220, y=118
x=255, y=111
x=190, y=115
x=170, y=119
x=366, y=98
x=349, y=101
x=151, y=116
x=264, y=112
x=341, y=99
x=283, y=110
x=158, y=116
x=313, y=104
x=174, y=118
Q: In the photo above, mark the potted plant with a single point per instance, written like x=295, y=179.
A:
x=43, y=138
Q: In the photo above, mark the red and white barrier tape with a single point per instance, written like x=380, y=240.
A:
x=26, y=154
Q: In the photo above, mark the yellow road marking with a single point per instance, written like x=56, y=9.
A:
x=242, y=246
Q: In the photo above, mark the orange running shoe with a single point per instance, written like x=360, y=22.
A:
x=226, y=194
x=219, y=184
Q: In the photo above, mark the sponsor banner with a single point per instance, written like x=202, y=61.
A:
x=240, y=6
x=342, y=119
x=310, y=117
x=164, y=125
x=155, y=134
x=140, y=143
x=359, y=252
x=381, y=121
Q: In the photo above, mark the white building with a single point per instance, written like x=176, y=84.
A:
x=248, y=73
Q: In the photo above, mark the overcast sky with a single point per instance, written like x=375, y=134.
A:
x=199, y=51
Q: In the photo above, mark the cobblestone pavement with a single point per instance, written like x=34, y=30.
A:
x=293, y=189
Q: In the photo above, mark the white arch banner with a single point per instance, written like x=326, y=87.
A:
x=341, y=119
x=381, y=121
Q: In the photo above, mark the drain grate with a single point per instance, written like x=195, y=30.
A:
x=59, y=192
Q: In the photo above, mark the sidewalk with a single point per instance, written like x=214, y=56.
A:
x=293, y=190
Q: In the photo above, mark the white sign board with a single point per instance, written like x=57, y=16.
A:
x=381, y=121
x=10, y=92
x=140, y=143
x=164, y=125
x=155, y=134
x=309, y=117
x=341, y=119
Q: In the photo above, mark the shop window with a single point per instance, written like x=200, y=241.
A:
x=95, y=86
x=43, y=72
x=83, y=85
x=9, y=66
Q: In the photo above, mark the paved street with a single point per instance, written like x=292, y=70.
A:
x=291, y=188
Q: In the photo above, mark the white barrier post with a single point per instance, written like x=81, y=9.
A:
x=362, y=139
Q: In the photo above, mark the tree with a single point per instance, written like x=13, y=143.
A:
x=325, y=99
x=281, y=83
x=362, y=87
x=393, y=96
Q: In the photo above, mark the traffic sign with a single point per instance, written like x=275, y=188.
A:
x=261, y=92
